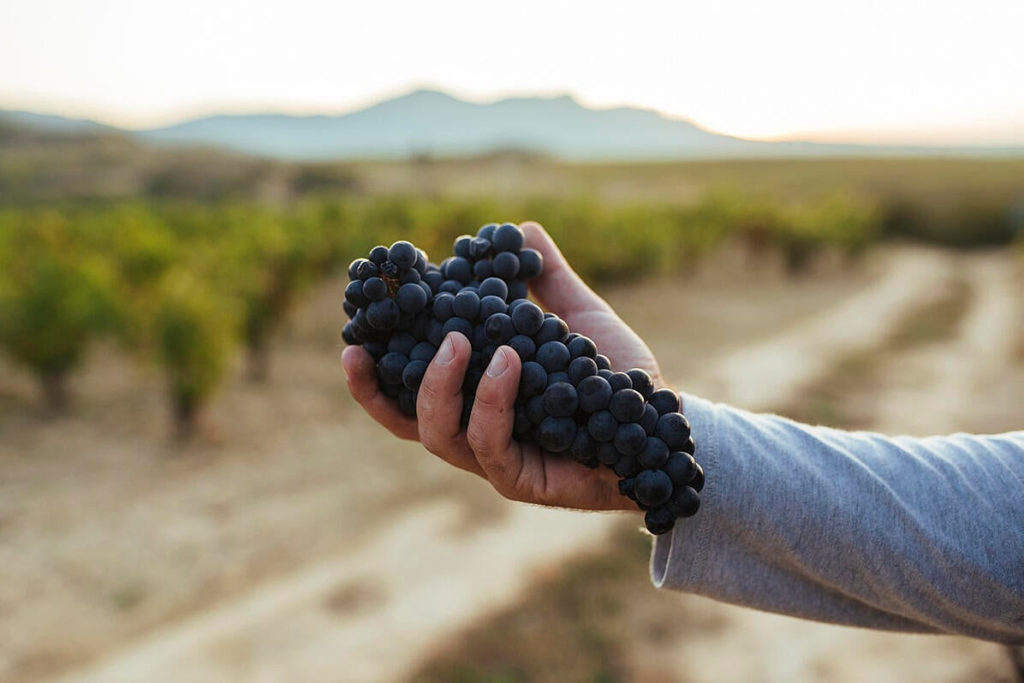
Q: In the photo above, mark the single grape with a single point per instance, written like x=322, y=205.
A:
x=353, y=269
x=410, y=277
x=508, y=237
x=684, y=502
x=466, y=304
x=460, y=270
x=626, y=466
x=531, y=263
x=560, y=399
x=479, y=248
x=506, y=265
x=602, y=426
x=493, y=286
x=527, y=318
x=556, y=434
x=532, y=379
x=483, y=269
x=402, y=254
x=391, y=367
x=552, y=329
x=553, y=356
x=642, y=382
x=581, y=368
x=423, y=350
x=559, y=376
x=674, y=430
x=452, y=287
x=460, y=325
x=354, y=293
x=378, y=255
x=523, y=346
x=411, y=298
x=627, y=405
x=461, y=246
x=490, y=304
x=630, y=439
x=383, y=314
x=583, y=346
x=413, y=374
x=517, y=289
x=664, y=401
x=620, y=381
x=401, y=342
x=602, y=362
x=594, y=393
x=498, y=328
x=659, y=520
x=444, y=306
x=487, y=231
x=654, y=455
x=535, y=409
x=653, y=487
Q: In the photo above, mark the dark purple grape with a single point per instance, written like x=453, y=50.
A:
x=674, y=430
x=558, y=376
x=681, y=468
x=649, y=420
x=556, y=434
x=560, y=399
x=642, y=382
x=684, y=502
x=602, y=362
x=626, y=466
x=461, y=246
x=349, y=309
x=630, y=439
x=375, y=349
x=452, y=287
x=379, y=254
x=535, y=409
x=444, y=306
x=401, y=342
x=487, y=231
x=459, y=270
x=602, y=426
x=354, y=293
x=434, y=279
x=606, y=454
x=594, y=393
x=664, y=401
x=581, y=368
x=659, y=521
x=552, y=329
x=411, y=298
x=654, y=454
x=479, y=248
x=353, y=269
x=517, y=290
x=582, y=346
x=523, y=346
x=402, y=254
x=424, y=351
x=553, y=356
x=697, y=483
x=483, y=269
x=620, y=381
x=532, y=380
x=531, y=263
x=653, y=487
x=410, y=277
x=493, y=286
x=498, y=328
x=391, y=367
x=460, y=325
x=349, y=334
x=527, y=318
x=413, y=374
x=490, y=304
x=627, y=405
x=506, y=265
x=508, y=237
x=383, y=314
x=466, y=304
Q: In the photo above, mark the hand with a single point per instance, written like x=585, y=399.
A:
x=486, y=448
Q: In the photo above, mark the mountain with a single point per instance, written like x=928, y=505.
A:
x=53, y=123
x=426, y=122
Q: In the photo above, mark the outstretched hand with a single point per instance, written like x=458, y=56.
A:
x=486, y=447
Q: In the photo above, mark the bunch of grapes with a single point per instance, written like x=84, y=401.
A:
x=570, y=401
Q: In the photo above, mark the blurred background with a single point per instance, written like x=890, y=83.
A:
x=829, y=197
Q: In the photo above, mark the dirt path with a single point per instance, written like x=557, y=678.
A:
x=427, y=582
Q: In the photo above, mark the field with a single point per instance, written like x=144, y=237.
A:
x=277, y=533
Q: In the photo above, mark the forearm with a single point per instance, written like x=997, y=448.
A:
x=854, y=528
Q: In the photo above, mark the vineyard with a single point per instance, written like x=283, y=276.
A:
x=185, y=285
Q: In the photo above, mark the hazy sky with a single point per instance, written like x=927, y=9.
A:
x=882, y=70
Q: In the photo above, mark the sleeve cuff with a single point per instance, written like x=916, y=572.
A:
x=679, y=558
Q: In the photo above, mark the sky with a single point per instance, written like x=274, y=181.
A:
x=858, y=70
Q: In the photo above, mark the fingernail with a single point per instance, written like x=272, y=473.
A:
x=446, y=353
x=498, y=364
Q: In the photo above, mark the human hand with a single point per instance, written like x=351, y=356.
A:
x=486, y=447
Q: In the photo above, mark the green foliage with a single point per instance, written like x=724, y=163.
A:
x=192, y=327
x=54, y=300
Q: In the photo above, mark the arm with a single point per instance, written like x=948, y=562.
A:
x=902, y=534
x=854, y=528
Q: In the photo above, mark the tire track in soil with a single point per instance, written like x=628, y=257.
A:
x=429, y=581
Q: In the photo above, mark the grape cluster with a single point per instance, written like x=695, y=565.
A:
x=570, y=400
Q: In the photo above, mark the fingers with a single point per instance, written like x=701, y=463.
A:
x=439, y=404
x=490, y=424
x=558, y=287
x=360, y=373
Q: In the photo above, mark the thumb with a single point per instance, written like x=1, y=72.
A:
x=558, y=287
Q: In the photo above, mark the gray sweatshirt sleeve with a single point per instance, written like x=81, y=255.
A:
x=908, y=534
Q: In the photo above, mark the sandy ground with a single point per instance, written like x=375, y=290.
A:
x=116, y=548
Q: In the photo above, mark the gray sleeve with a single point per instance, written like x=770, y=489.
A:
x=908, y=534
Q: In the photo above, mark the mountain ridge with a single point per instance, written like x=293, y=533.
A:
x=436, y=123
